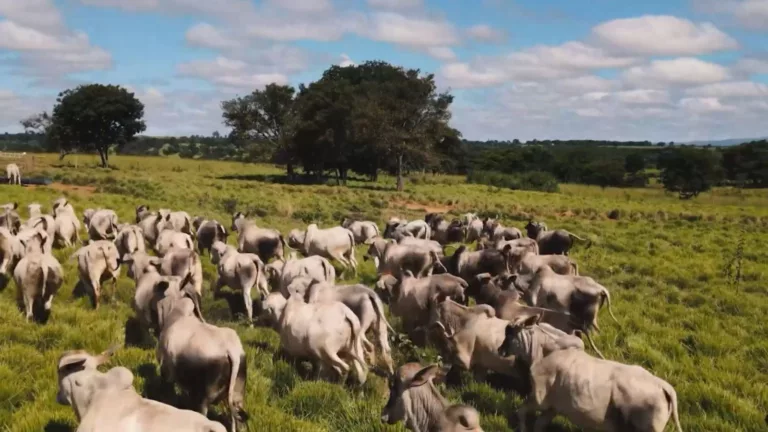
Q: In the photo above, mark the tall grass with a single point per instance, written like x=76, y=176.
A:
x=687, y=281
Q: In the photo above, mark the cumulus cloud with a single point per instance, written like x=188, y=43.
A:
x=735, y=89
x=345, y=61
x=751, y=66
x=661, y=35
x=395, y=4
x=303, y=5
x=752, y=14
x=543, y=62
x=680, y=71
x=704, y=105
x=411, y=31
x=207, y=36
x=47, y=50
x=484, y=33
x=230, y=73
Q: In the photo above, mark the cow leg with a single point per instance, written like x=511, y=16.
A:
x=344, y=263
x=29, y=303
x=337, y=363
x=528, y=406
x=48, y=303
x=216, y=288
x=248, y=304
x=544, y=420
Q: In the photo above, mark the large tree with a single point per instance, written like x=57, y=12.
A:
x=265, y=116
x=689, y=171
x=95, y=117
x=371, y=116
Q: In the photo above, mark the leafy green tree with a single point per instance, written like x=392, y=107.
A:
x=634, y=162
x=265, y=116
x=95, y=117
x=689, y=171
x=369, y=117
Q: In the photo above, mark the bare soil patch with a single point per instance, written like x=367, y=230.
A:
x=61, y=187
x=429, y=208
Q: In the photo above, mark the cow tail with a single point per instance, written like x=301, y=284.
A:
x=44, y=268
x=606, y=297
x=330, y=272
x=671, y=396
x=356, y=347
x=238, y=371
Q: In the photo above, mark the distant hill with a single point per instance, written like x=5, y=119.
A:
x=726, y=142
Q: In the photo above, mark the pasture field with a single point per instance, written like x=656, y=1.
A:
x=687, y=280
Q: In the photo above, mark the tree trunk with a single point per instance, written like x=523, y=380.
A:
x=400, y=180
x=104, y=154
x=289, y=168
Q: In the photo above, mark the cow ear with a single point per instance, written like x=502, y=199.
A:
x=71, y=365
x=483, y=277
x=425, y=375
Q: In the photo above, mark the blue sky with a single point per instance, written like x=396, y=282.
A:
x=603, y=69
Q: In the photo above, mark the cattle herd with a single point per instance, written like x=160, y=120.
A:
x=515, y=306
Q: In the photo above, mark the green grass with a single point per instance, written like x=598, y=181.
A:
x=671, y=267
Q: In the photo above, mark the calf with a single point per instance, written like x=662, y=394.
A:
x=467, y=264
x=130, y=239
x=392, y=258
x=184, y=263
x=414, y=400
x=169, y=239
x=100, y=223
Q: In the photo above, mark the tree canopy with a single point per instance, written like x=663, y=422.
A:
x=689, y=171
x=95, y=117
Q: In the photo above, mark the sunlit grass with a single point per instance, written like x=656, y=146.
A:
x=669, y=265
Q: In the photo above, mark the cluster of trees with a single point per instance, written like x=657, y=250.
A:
x=364, y=118
x=376, y=117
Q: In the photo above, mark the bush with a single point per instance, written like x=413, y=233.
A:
x=531, y=180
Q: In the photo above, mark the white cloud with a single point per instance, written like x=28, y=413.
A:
x=411, y=31
x=680, y=71
x=484, y=33
x=661, y=35
x=207, y=36
x=704, y=105
x=14, y=107
x=46, y=49
x=441, y=53
x=752, y=14
x=346, y=61
x=304, y=6
x=751, y=66
x=230, y=73
x=538, y=63
x=642, y=97
x=395, y=4
x=736, y=89
x=38, y=14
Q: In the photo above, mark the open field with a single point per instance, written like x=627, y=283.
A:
x=691, y=303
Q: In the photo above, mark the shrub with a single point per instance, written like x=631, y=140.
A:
x=531, y=180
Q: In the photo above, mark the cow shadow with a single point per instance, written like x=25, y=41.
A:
x=154, y=386
x=4, y=281
x=57, y=426
x=236, y=308
x=135, y=336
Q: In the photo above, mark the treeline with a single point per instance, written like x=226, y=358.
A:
x=376, y=117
